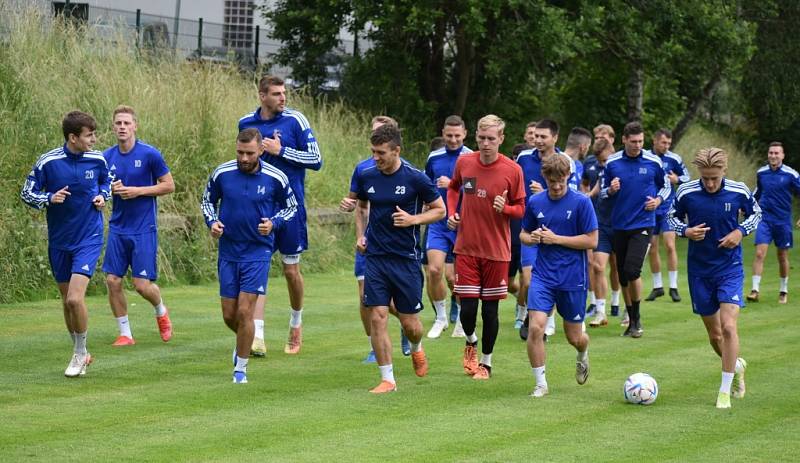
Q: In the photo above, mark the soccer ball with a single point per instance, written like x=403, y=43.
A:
x=641, y=389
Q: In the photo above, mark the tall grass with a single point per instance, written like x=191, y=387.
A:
x=742, y=164
x=190, y=113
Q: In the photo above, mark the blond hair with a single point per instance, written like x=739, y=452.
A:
x=710, y=158
x=124, y=109
x=556, y=166
x=490, y=121
x=384, y=120
x=604, y=128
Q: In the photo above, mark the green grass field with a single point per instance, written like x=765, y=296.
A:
x=168, y=402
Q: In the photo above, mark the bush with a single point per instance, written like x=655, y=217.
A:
x=189, y=112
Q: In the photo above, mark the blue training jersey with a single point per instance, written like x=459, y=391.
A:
x=694, y=205
x=240, y=200
x=141, y=166
x=640, y=177
x=76, y=222
x=442, y=162
x=407, y=188
x=603, y=204
x=560, y=267
x=299, y=149
x=531, y=163
x=360, y=167
x=672, y=163
x=774, y=189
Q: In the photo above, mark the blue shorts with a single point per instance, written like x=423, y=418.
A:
x=360, y=266
x=82, y=260
x=662, y=225
x=604, y=239
x=292, y=238
x=780, y=233
x=139, y=252
x=708, y=293
x=441, y=238
x=528, y=254
x=390, y=278
x=242, y=277
x=571, y=305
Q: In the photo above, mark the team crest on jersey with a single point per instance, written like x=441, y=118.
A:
x=470, y=184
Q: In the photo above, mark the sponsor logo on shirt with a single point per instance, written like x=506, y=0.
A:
x=371, y=190
x=540, y=216
x=469, y=185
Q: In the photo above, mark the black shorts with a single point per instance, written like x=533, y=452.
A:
x=631, y=247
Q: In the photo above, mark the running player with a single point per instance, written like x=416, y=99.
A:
x=289, y=145
x=140, y=176
x=595, y=183
x=440, y=239
x=493, y=193
x=775, y=183
x=73, y=183
x=394, y=192
x=562, y=223
x=245, y=201
x=348, y=204
x=707, y=212
x=677, y=174
x=639, y=185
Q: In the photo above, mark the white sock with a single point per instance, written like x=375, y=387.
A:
x=657, y=281
x=160, y=309
x=472, y=338
x=296, y=319
x=601, y=306
x=756, y=282
x=583, y=356
x=416, y=347
x=592, y=299
x=259, y=324
x=124, y=326
x=486, y=359
x=521, y=311
x=80, y=343
x=615, y=298
x=440, y=308
x=784, y=285
x=673, y=279
x=241, y=364
x=387, y=372
x=538, y=373
x=72, y=336
x=727, y=380
x=551, y=321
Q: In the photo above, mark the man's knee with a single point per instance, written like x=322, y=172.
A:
x=141, y=285
x=114, y=283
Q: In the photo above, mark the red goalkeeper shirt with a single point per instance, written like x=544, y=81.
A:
x=484, y=232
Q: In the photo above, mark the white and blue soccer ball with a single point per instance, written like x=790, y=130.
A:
x=640, y=389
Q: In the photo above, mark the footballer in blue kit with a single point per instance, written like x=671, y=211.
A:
x=440, y=240
x=348, y=204
x=545, y=136
x=639, y=185
x=245, y=201
x=595, y=183
x=662, y=232
x=289, y=145
x=139, y=176
x=72, y=182
x=707, y=212
x=776, y=183
x=394, y=192
x=563, y=224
